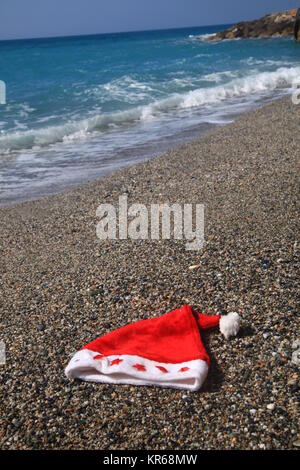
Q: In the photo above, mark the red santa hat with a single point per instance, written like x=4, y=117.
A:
x=165, y=351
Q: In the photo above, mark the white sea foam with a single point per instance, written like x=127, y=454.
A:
x=255, y=84
x=125, y=89
x=203, y=37
x=25, y=110
x=252, y=61
x=217, y=76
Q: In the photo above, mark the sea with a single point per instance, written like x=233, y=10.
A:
x=80, y=107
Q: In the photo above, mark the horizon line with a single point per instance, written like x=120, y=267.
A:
x=113, y=32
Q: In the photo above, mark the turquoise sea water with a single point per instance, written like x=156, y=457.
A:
x=79, y=107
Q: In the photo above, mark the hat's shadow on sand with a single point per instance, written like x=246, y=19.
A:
x=216, y=376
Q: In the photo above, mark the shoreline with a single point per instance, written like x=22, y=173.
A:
x=60, y=287
x=167, y=144
x=172, y=143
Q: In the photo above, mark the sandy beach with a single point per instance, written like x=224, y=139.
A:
x=61, y=287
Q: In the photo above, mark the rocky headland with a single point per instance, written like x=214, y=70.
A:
x=273, y=25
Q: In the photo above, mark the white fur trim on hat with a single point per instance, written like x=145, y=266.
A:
x=230, y=324
x=122, y=369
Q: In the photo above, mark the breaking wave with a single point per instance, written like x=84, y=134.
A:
x=254, y=84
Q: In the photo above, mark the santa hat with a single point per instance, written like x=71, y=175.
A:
x=165, y=351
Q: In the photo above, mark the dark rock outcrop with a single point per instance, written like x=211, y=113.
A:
x=272, y=25
x=297, y=26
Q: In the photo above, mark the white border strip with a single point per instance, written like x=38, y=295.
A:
x=120, y=369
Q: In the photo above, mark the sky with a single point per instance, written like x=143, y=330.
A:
x=48, y=18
